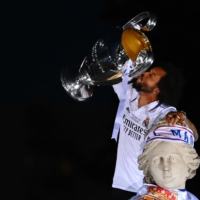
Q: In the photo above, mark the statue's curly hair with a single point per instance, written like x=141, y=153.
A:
x=188, y=153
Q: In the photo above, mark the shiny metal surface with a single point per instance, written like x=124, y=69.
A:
x=145, y=58
x=102, y=66
x=152, y=20
x=74, y=86
x=143, y=62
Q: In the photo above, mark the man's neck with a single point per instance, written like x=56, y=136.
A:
x=146, y=98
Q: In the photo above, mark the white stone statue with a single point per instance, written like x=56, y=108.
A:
x=168, y=161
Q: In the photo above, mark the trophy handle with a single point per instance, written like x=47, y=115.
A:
x=144, y=60
x=138, y=18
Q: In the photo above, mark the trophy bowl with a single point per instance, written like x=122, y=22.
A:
x=103, y=65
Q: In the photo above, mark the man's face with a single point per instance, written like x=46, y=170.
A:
x=167, y=166
x=148, y=80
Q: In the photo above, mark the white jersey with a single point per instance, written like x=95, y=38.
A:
x=134, y=125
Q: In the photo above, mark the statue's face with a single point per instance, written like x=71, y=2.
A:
x=167, y=166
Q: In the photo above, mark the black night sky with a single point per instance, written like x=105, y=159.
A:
x=54, y=147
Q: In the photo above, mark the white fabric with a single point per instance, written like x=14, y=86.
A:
x=123, y=87
x=182, y=194
x=171, y=133
x=127, y=176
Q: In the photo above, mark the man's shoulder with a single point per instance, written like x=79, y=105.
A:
x=164, y=106
x=161, y=108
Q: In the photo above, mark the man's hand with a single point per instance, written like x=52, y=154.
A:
x=173, y=118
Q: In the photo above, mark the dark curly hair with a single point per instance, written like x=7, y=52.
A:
x=171, y=85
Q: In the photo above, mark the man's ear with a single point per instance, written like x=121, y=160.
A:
x=156, y=91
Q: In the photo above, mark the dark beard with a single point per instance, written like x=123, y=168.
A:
x=137, y=86
x=141, y=86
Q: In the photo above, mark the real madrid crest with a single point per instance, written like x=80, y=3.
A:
x=145, y=123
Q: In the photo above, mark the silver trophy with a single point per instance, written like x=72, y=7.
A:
x=103, y=65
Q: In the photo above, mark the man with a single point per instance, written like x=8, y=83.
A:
x=168, y=161
x=143, y=100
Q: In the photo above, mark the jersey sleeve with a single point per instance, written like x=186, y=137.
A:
x=120, y=87
x=164, y=113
